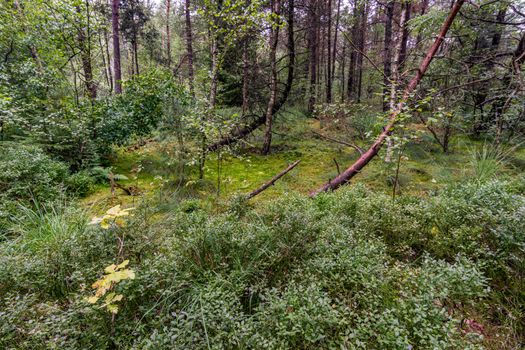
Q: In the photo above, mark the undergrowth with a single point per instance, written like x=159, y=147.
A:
x=352, y=269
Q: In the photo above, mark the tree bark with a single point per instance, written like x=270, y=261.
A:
x=355, y=168
x=273, y=180
x=189, y=46
x=329, y=54
x=407, y=10
x=274, y=39
x=394, y=80
x=84, y=42
x=350, y=89
x=116, y=45
x=334, y=48
x=312, y=53
x=387, y=55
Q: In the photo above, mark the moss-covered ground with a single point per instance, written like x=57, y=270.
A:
x=423, y=167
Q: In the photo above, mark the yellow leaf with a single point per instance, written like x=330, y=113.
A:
x=122, y=264
x=113, y=211
x=112, y=308
x=92, y=300
x=111, y=268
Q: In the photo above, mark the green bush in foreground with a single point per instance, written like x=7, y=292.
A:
x=351, y=269
x=28, y=176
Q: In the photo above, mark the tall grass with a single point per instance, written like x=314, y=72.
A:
x=487, y=161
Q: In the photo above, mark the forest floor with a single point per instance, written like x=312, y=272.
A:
x=423, y=167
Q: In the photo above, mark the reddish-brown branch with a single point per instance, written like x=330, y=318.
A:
x=355, y=168
x=273, y=180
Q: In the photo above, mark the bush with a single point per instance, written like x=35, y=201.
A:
x=350, y=269
x=29, y=177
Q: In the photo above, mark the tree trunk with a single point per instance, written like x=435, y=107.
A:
x=387, y=55
x=355, y=168
x=362, y=38
x=334, y=48
x=189, y=47
x=214, y=73
x=84, y=42
x=350, y=89
x=395, y=81
x=329, y=54
x=274, y=39
x=407, y=9
x=108, y=58
x=312, y=53
x=116, y=45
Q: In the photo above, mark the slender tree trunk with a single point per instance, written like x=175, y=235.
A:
x=274, y=39
x=84, y=42
x=189, y=46
x=343, y=61
x=407, y=10
x=394, y=81
x=116, y=45
x=104, y=62
x=362, y=38
x=334, y=48
x=245, y=76
x=312, y=54
x=329, y=54
x=350, y=89
x=387, y=55
x=135, y=46
x=168, y=33
x=355, y=168
x=108, y=58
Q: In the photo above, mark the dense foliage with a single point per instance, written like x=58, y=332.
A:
x=302, y=274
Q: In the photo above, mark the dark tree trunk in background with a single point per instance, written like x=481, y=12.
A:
x=274, y=39
x=387, y=54
x=312, y=53
x=108, y=58
x=334, y=48
x=329, y=54
x=84, y=42
x=116, y=45
x=350, y=89
x=355, y=168
x=363, y=20
x=245, y=76
x=189, y=46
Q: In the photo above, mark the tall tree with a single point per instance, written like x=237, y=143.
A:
x=387, y=54
x=313, y=49
x=274, y=39
x=189, y=45
x=84, y=43
x=116, y=45
x=329, y=53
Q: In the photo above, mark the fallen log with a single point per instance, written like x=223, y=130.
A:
x=366, y=157
x=273, y=180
